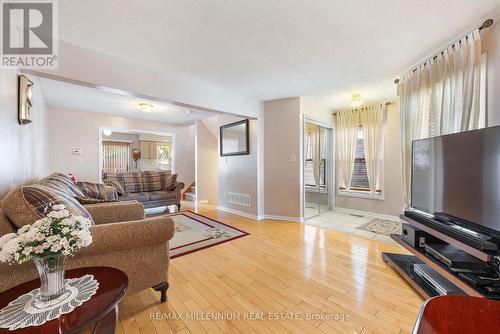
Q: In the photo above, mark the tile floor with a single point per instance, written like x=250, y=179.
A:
x=347, y=223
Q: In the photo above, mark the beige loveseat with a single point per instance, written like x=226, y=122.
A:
x=122, y=238
x=151, y=188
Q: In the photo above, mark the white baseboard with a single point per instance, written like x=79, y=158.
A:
x=260, y=217
x=202, y=201
x=366, y=213
x=291, y=219
x=239, y=213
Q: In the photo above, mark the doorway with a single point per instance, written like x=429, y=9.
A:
x=317, y=169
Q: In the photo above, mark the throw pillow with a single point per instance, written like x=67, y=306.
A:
x=66, y=181
x=170, y=182
x=26, y=204
x=117, y=185
x=153, y=180
x=92, y=190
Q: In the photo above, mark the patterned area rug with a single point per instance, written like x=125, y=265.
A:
x=194, y=232
x=382, y=226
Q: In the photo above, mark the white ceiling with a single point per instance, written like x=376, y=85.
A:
x=64, y=95
x=273, y=49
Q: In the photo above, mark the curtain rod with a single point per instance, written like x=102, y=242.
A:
x=388, y=103
x=486, y=24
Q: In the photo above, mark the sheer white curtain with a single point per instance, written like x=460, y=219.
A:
x=314, y=136
x=442, y=96
x=346, y=131
x=373, y=125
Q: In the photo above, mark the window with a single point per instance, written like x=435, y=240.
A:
x=359, y=179
x=116, y=156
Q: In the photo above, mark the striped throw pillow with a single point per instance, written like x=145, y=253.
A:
x=170, y=182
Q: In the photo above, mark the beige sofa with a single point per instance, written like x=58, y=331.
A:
x=147, y=187
x=122, y=238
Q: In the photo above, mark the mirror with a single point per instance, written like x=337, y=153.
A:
x=234, y=139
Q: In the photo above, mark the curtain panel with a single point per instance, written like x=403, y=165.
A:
x=442, y=96
x=373, y=119
x=347, y=125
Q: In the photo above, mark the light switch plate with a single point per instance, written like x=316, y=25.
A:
x=292, y=158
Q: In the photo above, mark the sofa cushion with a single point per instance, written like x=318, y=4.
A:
x=140, y=197
x=92, y=190
x=153, y=180
x=162, y=195
x=26, y=204
x=130, y=181
x=170, y=182
x=90, y=200
x=62, y=182
x=117, y=185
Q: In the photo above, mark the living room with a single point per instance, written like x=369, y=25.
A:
x=250, y=167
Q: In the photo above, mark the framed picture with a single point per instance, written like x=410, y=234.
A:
x=234, y=139
x=25, y=102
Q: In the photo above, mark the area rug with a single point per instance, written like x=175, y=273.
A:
x=194, y=232
x=382, y=226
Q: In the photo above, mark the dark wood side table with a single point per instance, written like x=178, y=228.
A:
x=100, y=312
x=458, y=314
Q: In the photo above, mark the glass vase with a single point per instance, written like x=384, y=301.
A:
x=51, y=271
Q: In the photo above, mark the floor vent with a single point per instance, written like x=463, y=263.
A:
x=355, y=215
x=239, y=199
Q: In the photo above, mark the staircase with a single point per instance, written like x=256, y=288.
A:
x=190, y=193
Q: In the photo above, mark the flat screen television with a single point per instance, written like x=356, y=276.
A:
x=456, y=178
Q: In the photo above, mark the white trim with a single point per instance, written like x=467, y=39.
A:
x=202, y=201
x=361, y=194
x=239, y=213
x=366, y=213
x=291, y=219
x=116, y=140
x=262, y=217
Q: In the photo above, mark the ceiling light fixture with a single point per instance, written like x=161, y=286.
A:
x=188, y=111
x=356, y=101
x=146, y=107
x=107, y=132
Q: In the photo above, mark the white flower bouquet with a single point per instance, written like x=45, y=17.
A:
x=48, y=242
x=60, y=233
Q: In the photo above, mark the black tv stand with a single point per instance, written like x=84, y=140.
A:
x=480, y=242
x=466, y=283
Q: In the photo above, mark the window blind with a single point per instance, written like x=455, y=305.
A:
x=116, y=156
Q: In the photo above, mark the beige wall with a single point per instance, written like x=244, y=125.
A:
x=393, y=202
x=76, y=129
x=312, y=109
x=206, y=164
x=282, y=142
x=239, y=173
x=24, y=148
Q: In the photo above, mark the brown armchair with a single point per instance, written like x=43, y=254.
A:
x=122, y=238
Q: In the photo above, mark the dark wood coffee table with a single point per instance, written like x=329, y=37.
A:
x=100, y=312
x=458, y=314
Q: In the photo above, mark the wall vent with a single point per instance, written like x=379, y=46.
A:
x=239, y=199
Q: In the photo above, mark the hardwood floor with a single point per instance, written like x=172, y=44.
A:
x=281, y=271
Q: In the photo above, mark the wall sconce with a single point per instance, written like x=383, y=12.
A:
x=25, y=102
x=356, y=101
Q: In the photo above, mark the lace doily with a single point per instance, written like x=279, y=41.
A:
x=23, y=312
